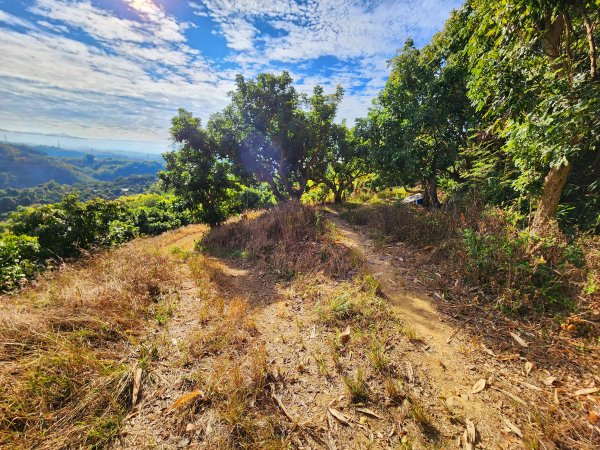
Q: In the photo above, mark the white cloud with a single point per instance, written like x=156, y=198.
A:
x=127, y=83
x=9, y=19
x=130, y=74
x=56, y=28
x=362, y=34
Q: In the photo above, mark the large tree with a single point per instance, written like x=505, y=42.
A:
x=420, y=119
x=266, y=131
x=534, y=75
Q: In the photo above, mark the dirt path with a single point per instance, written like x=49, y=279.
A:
x=252, y=361
x=444, y=356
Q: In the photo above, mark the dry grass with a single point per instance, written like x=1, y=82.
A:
x=234, y=378
x=404, y=223
x=289, y=239
x=550, y=287
x=66, y=381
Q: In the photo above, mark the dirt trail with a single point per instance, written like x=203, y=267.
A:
x=230, y=311
x=442, y=356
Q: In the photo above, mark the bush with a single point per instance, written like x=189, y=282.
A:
x=517, y=271
x=521, y=271
x=67, y=228
x=19, y=259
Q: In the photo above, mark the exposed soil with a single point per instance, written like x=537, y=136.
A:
x=229, y=312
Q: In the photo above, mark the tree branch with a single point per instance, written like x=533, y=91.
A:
x=589, y=28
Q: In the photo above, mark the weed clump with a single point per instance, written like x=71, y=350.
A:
x=355, y=303
x=291, y=238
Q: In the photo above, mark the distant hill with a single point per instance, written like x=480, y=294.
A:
x=21, y=166
x=103, y=154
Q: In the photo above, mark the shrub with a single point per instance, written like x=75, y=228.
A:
x=67, y=228
x=19, y=259
x=519, y=272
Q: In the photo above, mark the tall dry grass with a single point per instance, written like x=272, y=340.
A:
x=65, y=344
x=290, y=238
x=519, y=273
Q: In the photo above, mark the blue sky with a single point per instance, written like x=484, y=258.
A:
x=112, y=73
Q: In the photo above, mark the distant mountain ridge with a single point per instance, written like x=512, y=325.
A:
x=23, y=166
x=99, y=154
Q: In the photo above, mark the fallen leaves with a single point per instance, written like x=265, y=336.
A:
x=479, y=386
x=586, y=391
x=339, y=416
x=528, y=367
x=530, y=386
x=512, y=427
x=410, y=373
x=137, y=383
x=185, y=399
x=488, y=351
x=369, y=412
x=519, y=340
x=549, y=381
x=452, y=336
x=469, y=436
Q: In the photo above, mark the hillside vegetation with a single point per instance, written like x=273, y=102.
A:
x=297, y=298
x=21, y=166
x=29, y=176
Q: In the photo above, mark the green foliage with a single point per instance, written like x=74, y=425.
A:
x=66, y=228
x=53, y=192
x=532, y=77
x=269, y=134
x=266, y=133
x=249, y=198
x=70, y=227
x=24, y=167
x=420, y=119
x=19, y=259
x=520, y=271
x=197, y=171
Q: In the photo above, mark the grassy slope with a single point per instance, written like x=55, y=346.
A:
x=68, y=345
x=279, y=337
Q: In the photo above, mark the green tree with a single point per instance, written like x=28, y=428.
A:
x=266, y=131
x=345, y=160
x=534, y=76
x=197, y=172
x=420, y=119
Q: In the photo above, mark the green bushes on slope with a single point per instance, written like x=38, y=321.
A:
x=70, y=227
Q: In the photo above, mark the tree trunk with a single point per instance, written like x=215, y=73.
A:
x=551, y=193
x=432, y=188
x=337, y=196
x=426, y=197
x=557, y=176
